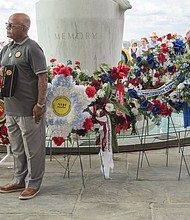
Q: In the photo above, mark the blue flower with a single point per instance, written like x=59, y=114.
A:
x=69, y=62
x=170, y=69
x=180, y=77
x=137, y=73
x=155, y=109
x=185, y=65
x=179, y=46
x=144, y=104
x=179, y=105
x=106, y=78
x=151, y=62
x=138, y=60
x=133, y=94
x=170, y=103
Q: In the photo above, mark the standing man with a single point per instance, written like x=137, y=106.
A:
x=25, y=118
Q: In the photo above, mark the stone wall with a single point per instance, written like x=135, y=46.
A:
x=90, y=31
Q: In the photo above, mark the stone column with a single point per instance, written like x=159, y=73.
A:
x=90, y=31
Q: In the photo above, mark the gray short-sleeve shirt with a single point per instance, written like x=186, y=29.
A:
x=30, y=61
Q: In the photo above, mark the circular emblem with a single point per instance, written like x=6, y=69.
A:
x=18, y=54
x=61, y=106
x=2, y=111
x=9, y=72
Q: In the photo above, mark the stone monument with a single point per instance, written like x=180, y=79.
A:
x=89, y=31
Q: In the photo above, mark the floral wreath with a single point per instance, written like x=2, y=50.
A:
x=66, y=103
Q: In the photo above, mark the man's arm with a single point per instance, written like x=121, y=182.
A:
x=42, y=87
x=38, y=109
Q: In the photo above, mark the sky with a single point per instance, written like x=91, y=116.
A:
x=146, y=16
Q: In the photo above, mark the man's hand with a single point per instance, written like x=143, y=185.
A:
x=37, y=113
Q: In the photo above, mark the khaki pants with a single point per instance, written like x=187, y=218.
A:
x=27, y=141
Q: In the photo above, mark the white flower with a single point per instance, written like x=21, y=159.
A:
x=135, y=111
x=91, y=109
x=170, y=45
x=154, y=81
x=140, y=86
x=101, y=93
x=136, y=103
x=131, y=86
x=181, y=86
x=164, y=78
x=109, y=107
x=78, y=71
x=145, y=79
x=105, y=85
x=98, y=112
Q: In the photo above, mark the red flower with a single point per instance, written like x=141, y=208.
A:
x=66, y=71
x=170, y=110
x=118, y=129
x=158, y=83
x=158, y=102
x=114, y=76
x=61, y=69
x=77, y=63
x=164, y=110
x=52, y=60
x=159, y=39
x=88, y=125
x=96, y=84
x=119, y=72
x=3, y=130
x=156, y=74
x=161, y=58
x=144, y=68
x=163, y=45
x=4, y=135
x=134, y=82
x=164, y=71
x=150, y=107
x=126, y=125
x=165, y=50
x=90, y=91
x=174, y=69
x=58, y=140
x=169, y=36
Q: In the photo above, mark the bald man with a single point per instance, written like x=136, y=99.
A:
x=25, y=109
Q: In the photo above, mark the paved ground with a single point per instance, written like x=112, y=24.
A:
x=156, y=195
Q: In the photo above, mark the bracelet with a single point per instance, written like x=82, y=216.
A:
x=40, y=106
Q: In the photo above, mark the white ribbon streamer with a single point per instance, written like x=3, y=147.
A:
x=106, y=153
x=155, y=92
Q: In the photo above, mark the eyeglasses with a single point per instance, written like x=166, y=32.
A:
x=11, y=26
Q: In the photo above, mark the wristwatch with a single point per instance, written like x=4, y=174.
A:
x=39, y=105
